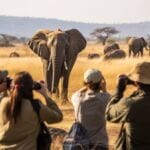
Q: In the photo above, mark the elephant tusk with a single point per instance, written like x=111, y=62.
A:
x=65, y=64
x=49, y=64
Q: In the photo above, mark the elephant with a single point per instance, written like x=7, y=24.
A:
x=115, y=54
x=93, y=55
x=110, y=47
x=58, y=50
x=14, y=54
x=136, y=46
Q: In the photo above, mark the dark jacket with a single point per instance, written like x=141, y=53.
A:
x=135, y=111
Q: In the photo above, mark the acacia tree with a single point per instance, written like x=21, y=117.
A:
x=4, y=40
x=102, y=34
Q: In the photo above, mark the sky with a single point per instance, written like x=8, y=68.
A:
x=89, y=11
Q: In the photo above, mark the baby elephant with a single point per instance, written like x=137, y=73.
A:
x=115, y=54
x=110, y=47
x=93, y=55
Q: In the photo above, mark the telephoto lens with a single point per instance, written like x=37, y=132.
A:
x=36, y=86
x=8, y=82
x=130, y=82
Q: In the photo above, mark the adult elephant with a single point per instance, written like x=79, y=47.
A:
x=136, y=46
x=110, y=47
x=59, y=50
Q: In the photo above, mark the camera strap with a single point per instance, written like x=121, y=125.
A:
x=36, y=107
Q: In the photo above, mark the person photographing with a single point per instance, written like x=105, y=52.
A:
x=4, y=83
x=132, y=111
x=19, y=123
x=89, y=105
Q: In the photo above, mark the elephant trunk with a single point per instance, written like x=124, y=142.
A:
x=147, y=47
x=57, y=62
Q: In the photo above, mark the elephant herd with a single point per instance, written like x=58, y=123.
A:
x=59, y=50
x=135, y=47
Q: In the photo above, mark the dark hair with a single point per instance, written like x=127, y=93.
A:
x=22, y=89
x=93, y=86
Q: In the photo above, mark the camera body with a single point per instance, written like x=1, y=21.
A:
x=126, y=79
x=36, y=85
x=130, y=82
x=8, y=82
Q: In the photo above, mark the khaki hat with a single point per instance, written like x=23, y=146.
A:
x=92, y=75
x=3, y=74
x=141, y=73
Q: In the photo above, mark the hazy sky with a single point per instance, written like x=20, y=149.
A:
x=100, y=11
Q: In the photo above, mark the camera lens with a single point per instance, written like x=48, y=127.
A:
x=8, y=82
x=37, y=86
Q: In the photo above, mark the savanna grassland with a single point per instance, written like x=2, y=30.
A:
x=110, y=69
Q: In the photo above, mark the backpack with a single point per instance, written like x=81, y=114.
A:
x=44, y=137
x=77, y=137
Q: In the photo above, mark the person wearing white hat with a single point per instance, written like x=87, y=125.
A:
x=132, y=111
x=89, y=105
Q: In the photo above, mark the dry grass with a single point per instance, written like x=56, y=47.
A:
x=110, y=69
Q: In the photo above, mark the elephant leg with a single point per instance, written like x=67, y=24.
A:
x=47, y=74
x=65, y=80
x=64, y=88
x=57, y=93
x=130, y=50
x=141, y=53
x=134, y=54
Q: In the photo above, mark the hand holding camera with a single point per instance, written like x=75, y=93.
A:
x=123, y=81
x=40, y=87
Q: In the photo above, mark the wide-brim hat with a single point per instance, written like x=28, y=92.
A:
x=92, y=76
x=141, y=73
x=3, y=74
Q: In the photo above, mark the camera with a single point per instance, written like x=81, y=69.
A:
x=36, y=85
x=125, y=78
x=8, y=82
x=130, y=82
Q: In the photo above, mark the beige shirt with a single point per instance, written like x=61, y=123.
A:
x=23, y=135
x=91, y=114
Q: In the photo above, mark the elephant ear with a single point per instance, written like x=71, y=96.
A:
x=38, y=44
x=144, y=43
x=76, y=40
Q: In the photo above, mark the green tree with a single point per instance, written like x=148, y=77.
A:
x=102, y=34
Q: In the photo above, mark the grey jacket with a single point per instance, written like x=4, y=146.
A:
x=92, y=106
x=135, y=111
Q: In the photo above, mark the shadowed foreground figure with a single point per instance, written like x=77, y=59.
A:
x=3, y=83
x=132, y=111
